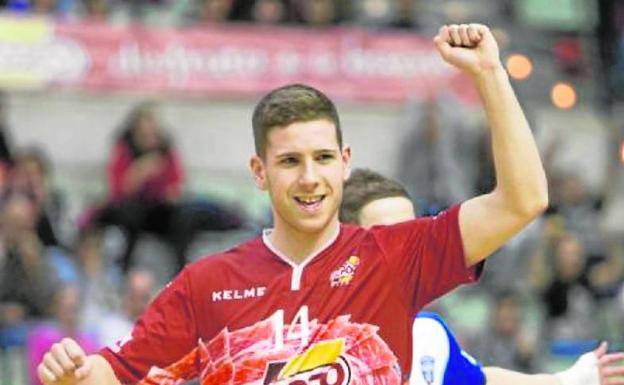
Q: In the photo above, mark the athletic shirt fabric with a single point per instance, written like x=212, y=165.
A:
x=437, y=358
x=364, y=286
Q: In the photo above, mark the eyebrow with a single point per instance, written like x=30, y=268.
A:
x=315, y=152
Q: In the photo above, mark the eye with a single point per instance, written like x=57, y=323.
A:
x=289, y=161
x=325, y=157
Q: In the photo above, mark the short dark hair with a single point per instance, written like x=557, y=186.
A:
x=290, y=104
x=363, y=187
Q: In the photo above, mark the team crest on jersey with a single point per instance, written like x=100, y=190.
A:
x=344, y=274
x=322, y=363
x=427, y=364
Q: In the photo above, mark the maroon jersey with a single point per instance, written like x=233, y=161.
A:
x=342, y=316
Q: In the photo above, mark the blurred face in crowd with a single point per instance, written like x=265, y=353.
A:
x=506, y=319
x=572, y=190
x=18, y=215
x=303, y=170
x=386, y=211
x=569, y=258
x=89, y=252
x=67, y=306
x=44, y=6
x=139, y=290
x=318, y=12
x=216, y=10
x=268, y=11
x=29, y=175
x=145, y=133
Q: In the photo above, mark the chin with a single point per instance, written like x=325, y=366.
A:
x=311, y=225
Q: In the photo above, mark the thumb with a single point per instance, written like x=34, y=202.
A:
x=601, y=350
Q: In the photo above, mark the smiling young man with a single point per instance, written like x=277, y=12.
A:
x=312, y=301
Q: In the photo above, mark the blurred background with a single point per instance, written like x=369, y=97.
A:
x=125, y=134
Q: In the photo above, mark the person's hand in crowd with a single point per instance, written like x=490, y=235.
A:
x=149, y=165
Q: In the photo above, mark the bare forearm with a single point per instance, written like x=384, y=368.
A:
x=519, y=172
x=499, y=376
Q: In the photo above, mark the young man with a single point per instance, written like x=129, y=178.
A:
x=371, y=199
x=312, y=300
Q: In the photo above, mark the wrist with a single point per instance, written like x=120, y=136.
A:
x=583, y=372
x=489, y=73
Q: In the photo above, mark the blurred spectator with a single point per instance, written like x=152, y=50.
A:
x=438, y=162
x=26, y=275
x=562, y=284
x=138, y=291
x=65, y=309
x=96, y=10
x=5, y=148
x=30, y=175
x=317, y=13
x=385, y=13
x=99, y=282
x=5, y=143
x=145, y=179
x=580, y=211
x=269, y=12
x=504, y=343
x=211, y=11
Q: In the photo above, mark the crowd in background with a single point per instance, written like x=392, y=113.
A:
x=554, y=289
x=181, y=13
x=550, y=292
x=76, y=277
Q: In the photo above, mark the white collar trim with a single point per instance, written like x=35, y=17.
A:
x=295, y=282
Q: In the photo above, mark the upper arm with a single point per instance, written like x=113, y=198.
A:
x=486, y=223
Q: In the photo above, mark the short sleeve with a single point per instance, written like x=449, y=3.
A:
x=162, y=335
x=437, y=358
x=427, y=257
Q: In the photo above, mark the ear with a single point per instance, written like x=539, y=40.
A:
x=258, y=170
x=346, y=161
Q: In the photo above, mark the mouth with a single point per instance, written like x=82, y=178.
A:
x=310, y=203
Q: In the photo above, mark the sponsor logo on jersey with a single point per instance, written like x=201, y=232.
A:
x=344, y=274
x=322, y=363
x=236, y=294
x=427, y=366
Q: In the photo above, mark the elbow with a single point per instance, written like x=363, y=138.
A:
x=528, y=205
x=535, y=205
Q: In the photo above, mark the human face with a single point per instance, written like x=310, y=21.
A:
x=386, y=211
x=303, y=170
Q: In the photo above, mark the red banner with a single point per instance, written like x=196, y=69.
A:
x=235, y=60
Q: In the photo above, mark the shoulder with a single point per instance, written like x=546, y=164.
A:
x=431, y=327
x=237, y=255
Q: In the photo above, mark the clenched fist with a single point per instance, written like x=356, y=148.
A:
x=64, y=364
x=469, y=47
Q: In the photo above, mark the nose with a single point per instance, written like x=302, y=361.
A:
x=309, y=177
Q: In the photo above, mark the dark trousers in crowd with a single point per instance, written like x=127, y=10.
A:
x=176, y=223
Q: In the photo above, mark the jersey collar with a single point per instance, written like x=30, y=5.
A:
x=297, y=267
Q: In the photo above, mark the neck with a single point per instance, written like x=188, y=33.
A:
x=297, y=245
